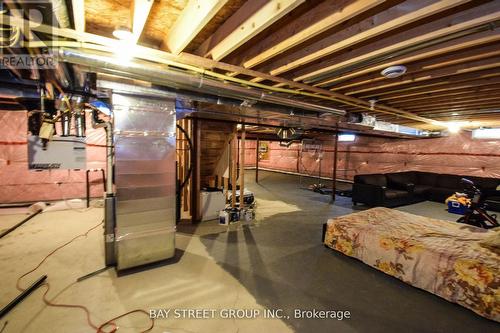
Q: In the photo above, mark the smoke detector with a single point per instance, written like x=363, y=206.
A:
x=394, y=71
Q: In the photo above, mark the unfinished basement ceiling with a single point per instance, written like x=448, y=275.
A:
x=451, y=49
x=332, y=52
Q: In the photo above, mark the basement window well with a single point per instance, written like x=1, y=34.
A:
x=347, y=137
x=486, y=133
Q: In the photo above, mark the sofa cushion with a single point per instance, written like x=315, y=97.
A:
x=401, y=178
x=485, y=183
x=450, y=181
x=427, y=178
x=374, y=179
x=395, y=194
x=421, y=189
x=440, y=194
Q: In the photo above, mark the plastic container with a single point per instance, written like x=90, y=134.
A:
x=456, y=207
x=223, y=217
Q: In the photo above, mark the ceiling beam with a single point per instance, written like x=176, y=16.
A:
x=379, y=29
x=424, y=76
x=454, y=58
x=191, y=21
x=79, y=14
x=308, y=26
x=269, y=13
x=466, y=42
x=140, y=10
x=419, y=38
x=436, y=85
x=203, y=66
x=448, y=94
x=454, y=107
x=490, y=81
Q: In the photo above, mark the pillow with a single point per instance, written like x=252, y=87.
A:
x=492, y=242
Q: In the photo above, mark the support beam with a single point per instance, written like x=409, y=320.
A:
x=263, y=18
x=257, y=148
x=79, y=15
x=140, y=10
x=377, y=30
x=242, y=166
x=335, y=152
x=340, y=13
x=234, y=167
x=196, y=173
x=192, y=20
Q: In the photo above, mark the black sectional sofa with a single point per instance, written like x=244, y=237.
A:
x=403, y=188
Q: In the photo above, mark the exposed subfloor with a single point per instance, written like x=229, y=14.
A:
x=275, y=262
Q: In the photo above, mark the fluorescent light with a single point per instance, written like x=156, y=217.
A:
x=347, y=137
x=486, y=133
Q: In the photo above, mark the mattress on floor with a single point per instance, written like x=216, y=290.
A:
x=442, y=257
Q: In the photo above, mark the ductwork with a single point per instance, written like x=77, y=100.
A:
x=169, y=77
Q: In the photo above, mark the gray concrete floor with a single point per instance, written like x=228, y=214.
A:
x=275, y=262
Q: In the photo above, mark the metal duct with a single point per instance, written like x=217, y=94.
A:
x=169, y=77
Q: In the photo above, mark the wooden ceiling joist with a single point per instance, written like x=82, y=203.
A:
x=79, y=14
x=435, y=32
x=140, y=11
x=423, y=76
x=379, y=29
x=308, y=27
x=462, y=43
x=269, y=13
x=486, y=96
x=436, y=85
x=471, y=91
x=455, y=58
x=192, y=20
x=457, y=107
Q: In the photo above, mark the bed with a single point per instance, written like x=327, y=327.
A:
x=444, y=258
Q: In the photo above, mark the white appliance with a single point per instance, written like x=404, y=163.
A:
x=211, y=204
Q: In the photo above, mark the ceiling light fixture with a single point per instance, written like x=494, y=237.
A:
x=394, y=71
x=454, y=127
x=123, y=33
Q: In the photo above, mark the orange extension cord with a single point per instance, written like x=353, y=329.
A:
x=99, y=329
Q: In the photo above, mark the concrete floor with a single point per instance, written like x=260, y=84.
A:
x=275, y=262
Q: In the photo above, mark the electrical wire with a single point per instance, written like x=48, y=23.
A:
x=99, y=328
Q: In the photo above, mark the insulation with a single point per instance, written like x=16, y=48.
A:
x=456, y=154
x=19, y=184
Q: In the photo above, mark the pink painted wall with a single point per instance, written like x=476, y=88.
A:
x=19, y=184
x=456, y=154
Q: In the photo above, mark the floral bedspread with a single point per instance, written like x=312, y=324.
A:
x=442, y=257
